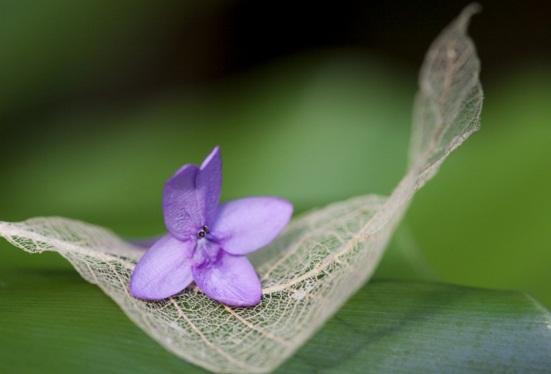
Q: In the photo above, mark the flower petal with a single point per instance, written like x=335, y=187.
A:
x=191, y=196
x=230, y=280
x=164, y=270
x=209, y=183
x=245, y=225
x=182, y=210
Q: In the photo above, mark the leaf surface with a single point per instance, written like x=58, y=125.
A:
x=50, y=325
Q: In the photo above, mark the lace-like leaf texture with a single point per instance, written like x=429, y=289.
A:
x=317, y=263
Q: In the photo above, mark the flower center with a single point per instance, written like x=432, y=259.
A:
x=203, y=232
x=206, y=250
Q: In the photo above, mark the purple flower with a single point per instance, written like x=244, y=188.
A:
x=207, y=242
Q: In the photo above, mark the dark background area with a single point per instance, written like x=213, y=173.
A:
x=171, y=45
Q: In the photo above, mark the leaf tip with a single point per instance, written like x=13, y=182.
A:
x=462, y=21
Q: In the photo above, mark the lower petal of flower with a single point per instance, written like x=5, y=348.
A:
x=164, y=270
x=230, y=280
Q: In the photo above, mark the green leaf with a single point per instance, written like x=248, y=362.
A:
x=53, y=321
x=430, y=327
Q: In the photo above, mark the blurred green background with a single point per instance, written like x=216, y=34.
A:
x=101, y=101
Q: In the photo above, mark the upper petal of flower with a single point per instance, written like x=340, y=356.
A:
x=164, y=270
x=209, y=183
x=230, y=280
x=181, y=209
x=244, y=225
x=191, y=196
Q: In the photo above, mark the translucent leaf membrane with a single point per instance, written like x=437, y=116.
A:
x=321, y=259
